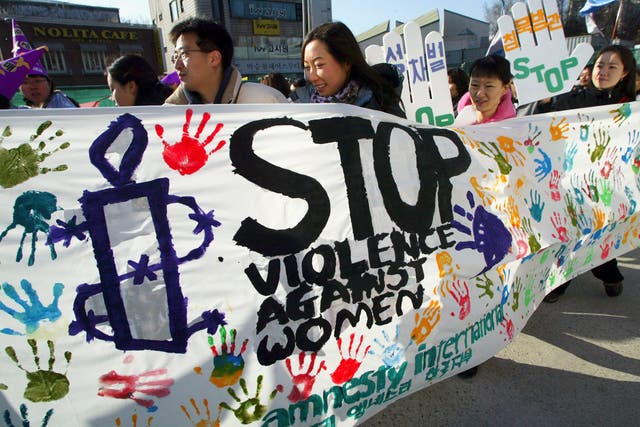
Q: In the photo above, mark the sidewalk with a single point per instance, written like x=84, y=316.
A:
x=576, y=363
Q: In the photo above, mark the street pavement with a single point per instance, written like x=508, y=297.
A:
x=576, y=363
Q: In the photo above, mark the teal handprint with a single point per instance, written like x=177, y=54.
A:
x=537, y=205
x=34, y=311
x=24, y=415
x=391, y=353
x=250, y=409
x=632, y=200
x=43, y=386
x=570, y=154
x=622, y=113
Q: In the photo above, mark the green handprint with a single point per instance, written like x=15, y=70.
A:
x=496, y=155
x=43, y=386
x=544, y=257
x=19, y=164
x=251, y=409
x=528, y=291
x=517, y=287
x=24, y=415
x=605, y=191
x=534, y=244
x=571, y=209
x=484, y=282
x=569, y=266
x=603, y=139
x=589, y=256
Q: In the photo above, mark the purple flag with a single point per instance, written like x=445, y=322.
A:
x=171, y=79
x=22, y=45
x=14, y=70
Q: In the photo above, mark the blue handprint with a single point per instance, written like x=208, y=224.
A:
x=570, y=154
x=634, y=139
x=537, y=205
x=24, y=415
x=490, y=237
x=585, y=224
x=544, y=165
x=392, y=352
x=36, y=312
x=632, y=201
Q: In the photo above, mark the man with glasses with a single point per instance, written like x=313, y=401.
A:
x=204, y=51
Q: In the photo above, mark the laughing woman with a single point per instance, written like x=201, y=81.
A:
x=337, y=72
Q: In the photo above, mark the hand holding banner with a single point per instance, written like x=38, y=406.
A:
x=541, y=65
x=426, y=100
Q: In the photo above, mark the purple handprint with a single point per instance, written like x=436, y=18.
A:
x=490, y=237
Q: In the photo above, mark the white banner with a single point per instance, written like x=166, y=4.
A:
x=285, y=264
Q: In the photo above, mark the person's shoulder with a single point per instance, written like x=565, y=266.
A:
x=176, y=98
x=60, y=100
x=257, y=93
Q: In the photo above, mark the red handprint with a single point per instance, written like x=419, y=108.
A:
x=348, y=366
x=606, y=247
x=189, y=155
x=559, y=223
x=460, y=293
x=303, y=381
x=553, y=185
x=124, y=386
x=509, y=328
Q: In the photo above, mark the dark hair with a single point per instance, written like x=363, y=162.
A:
x=211, y=36
x=301, y=82
x=460, y=79
x=277, y=81
x=135, y=68
x=342, y=45
x=5, y=103
x=492, y=66
x=628, y=82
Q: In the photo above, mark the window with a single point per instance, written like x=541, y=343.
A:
x=54, y=62
x=134, y=49
x=173, y=8
x=93, y=61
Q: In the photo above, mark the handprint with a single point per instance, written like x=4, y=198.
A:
x=585, y=123
x=189, y=155
x=483, y=191
x=227, y=367
x=134, y=421
x=544, y=165
x=521, y=241
x=542, y=66
x=571, y=209
x=349, y=362
x=590, y=188
x=559, y=223
x=621, y=113
x=632, y=200
x=534, y=243
x=604, y=191
x=490, y=237
x=532, y=138
x=493, y=152
x=302, y=379
x=23, y=162
x=558, y=130
x=569, y=155
x=43, y=386
x=602, y=139
x=511, y=208
x=425, y=100
x=577, y=193
x=33, y=314
x=553, y=185
x=250, y=409
x=517, y=288
x=24, y=417
x=600, y=217
x=509, y=328
x=509, y=148
x=634, y=139
x=427, y=322
x=485, y=283
x=198, y=419
x=32, y=210
x=537, y=205
x=150, y=383
x=459, y=290
x=392, y=352
x=444, y=261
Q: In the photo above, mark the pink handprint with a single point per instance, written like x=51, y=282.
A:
x=348, y=366
x=303, y=381
x=124, y=386
x=553, y=185
x=559, y=223
x=521, y=241
x=460, y=294
x=189, y=155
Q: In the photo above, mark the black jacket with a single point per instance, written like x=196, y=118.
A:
x=589, y=97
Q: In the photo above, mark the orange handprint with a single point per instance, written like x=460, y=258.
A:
x=427, y=322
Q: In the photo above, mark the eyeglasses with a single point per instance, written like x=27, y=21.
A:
x=184, y=54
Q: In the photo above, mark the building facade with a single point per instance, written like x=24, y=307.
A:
x=81, y=40
x=267, y=35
